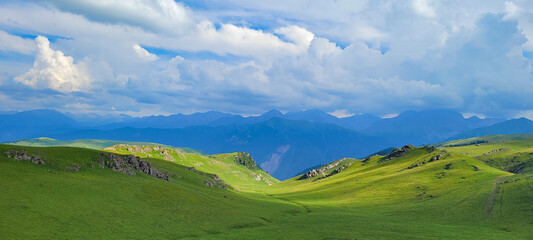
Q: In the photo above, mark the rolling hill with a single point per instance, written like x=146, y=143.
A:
x=88, y=143
x=74, y=196
x=472, y=191
x=281, y=147
x=282, y=144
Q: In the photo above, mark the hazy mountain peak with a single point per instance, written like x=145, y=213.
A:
x=272, y=113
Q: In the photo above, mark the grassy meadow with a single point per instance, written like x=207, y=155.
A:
x=482, y=189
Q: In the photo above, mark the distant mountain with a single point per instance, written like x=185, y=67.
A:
x=513, y=126
x=92, y=119
x=425, y=127
x=281, y=143
x=355, y=122
x=213, y=118
x=33, y=123
x=312, y=116
x=280, y=146
x=172, y=121
x=358, y=122
x=238, y=119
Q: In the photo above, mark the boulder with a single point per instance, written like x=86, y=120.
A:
x=398, y=152
x=21, y=155
x=129, y=163
x=310, y=174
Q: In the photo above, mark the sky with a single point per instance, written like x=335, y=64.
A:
x=381, y=57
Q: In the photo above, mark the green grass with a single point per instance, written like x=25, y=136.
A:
x=47, y=202
x=237, y=175
x=466, y=194
x=87, y=143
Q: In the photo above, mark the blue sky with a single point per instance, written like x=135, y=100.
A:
x=348, y=57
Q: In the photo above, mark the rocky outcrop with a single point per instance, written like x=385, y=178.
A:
x=493, y=151
x=145, y=150
x=430, y=149
x=338, y=170
x=396, y=153
x=335, y=171
x=214, y=182
x=129, y=163
x=442, y=155
x=192, y=169
x=321, y=171
x=75, y=168
x=246, y=160
x=310, y=174
x=438, y=157
x=21, y=155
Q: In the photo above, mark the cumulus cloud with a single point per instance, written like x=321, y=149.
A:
x=143, y=54
x=52, y=69
x=12, y=43
x=241, y=41
x=298, y=35
x=423, y=8
x=375, y=57
x=341, y=113
x=156, y=15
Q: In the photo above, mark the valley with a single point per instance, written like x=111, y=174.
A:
x=468, y=189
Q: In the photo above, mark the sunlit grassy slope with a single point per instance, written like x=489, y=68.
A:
x=87, y=143
x=49, y=202
x=461, y=192
x=225, y=165
x=238, y=175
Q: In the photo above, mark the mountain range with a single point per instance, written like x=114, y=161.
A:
x=282, y=144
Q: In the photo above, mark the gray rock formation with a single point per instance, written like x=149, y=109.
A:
x=215, y=182
x=75, y=168
x=21, y=155
x=310, y=174
x=129, y=163
x=396, y=153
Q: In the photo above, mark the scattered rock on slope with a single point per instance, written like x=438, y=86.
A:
x=335, y=171
x=321, y=170
x=21, y=155
x=398, y=152
x=146, y=149
x=129, y=163
x=75, y=168
x=246, y=160
x=310, y=174
x=215, y=182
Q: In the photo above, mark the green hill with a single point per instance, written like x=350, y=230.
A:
x=87, y=143
x=238, y=169
x=460, y=192
x=71, y=197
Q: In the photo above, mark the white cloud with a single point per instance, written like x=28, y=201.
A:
x=423, y=8
x=366, y=33
x=341, y=113
x=298, y=35
x=511, y=9
x=526, y=114
x=240, y=41
x=52, y=69
x=390, y=115
x=172, y=71
x=143, y=54
x=470, y=114
x=157, y=15
x=366, y=56
x=12, y=43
